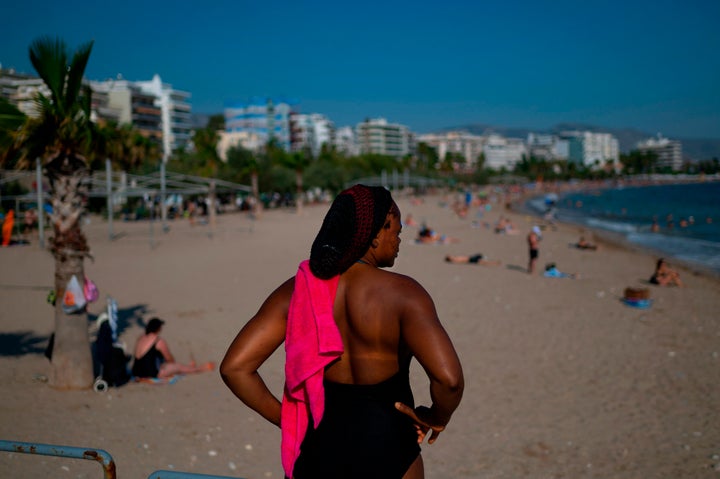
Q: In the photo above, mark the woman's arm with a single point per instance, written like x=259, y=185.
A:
x=429, y=343
x=253, y=345
x=164, y=349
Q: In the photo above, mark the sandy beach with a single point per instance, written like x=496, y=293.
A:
x=563, y=380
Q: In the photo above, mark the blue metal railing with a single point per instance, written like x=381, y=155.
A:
x=87, y=453
x=92, y=454
x=184, y=475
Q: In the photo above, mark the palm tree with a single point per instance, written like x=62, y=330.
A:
x=246, y=163
x=298, y=161
x=61, y=135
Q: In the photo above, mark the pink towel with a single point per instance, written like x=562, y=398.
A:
x=312, y=341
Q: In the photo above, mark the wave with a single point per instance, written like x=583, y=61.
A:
x=625, y=228
x=691, y=250
x=631, y=217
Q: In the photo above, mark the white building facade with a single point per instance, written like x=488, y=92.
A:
x=345, y=141
x=126, y=103
x=176, y=113
x=21, y=90
x=592, y=150
x=310, y=132
x=501, y=152
x=467, y=145
x=377, y=136
x=669, y=152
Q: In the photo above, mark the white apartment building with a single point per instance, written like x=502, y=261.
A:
x=377, y=136
x=128, y=104
x=501, y=152
x=21, y=89
x=547, y=147
x=310, y=132
x=669, y=152
x=593, y=150
x=345, y=141
x=459, y=142
x=176, y=113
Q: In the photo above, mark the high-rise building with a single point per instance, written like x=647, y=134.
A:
x=176, y=113
x=265, y=117
x=131, y=106
x=669, y=152
x=377, y=136
x=594, y=150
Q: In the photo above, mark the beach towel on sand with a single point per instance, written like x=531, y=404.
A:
x=312, y=341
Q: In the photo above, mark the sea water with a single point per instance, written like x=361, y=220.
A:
x=687, y=216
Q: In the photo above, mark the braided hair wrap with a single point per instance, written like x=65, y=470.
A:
x=353, y=221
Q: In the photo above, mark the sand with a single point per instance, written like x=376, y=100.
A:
x=562, y=379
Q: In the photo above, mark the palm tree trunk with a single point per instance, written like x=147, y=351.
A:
x=299, y=191
x=257, y=207
x=212, y=206
x=72, y=366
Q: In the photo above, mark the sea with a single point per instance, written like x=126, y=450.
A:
x=687, y=217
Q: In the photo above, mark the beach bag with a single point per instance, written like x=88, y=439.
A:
x=90, y=291
x=74, y=297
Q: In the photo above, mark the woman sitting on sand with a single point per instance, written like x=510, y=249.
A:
x=153, y=358
x=664, y=275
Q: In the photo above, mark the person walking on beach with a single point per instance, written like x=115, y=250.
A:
x=533, y=239
x=351, y=330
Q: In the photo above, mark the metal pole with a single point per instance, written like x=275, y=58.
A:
x=152, y=222
x=40, y=201
x=108, y=182
x=163, y=206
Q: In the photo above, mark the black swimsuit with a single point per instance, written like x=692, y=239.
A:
x=361, y=434
x=148, y=366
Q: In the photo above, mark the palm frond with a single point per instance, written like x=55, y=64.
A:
x=75, y=73
x=49, y=58
x=10, y=117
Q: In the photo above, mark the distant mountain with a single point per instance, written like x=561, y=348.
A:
x=693, y=148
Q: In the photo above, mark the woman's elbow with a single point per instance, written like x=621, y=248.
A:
x=227, y=369
x=453, y=382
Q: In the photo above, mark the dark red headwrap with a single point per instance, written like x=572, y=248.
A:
x=353, y=221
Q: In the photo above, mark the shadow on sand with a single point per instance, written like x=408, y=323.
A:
x=22, y=343
x=514, y=267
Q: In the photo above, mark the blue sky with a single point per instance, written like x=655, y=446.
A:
x=650, y=65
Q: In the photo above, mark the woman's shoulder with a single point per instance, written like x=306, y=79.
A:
x=398, y=283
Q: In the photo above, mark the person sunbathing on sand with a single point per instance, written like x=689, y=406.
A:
x=474, y=259
x=427, y=235
x=551, y=271
x=585, y=244
x=153, y=358
x=664, y=275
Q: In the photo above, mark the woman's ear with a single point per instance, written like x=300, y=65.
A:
x=375, y=243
